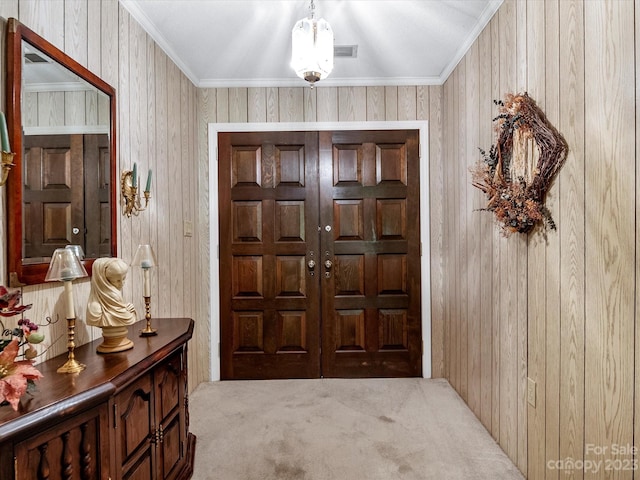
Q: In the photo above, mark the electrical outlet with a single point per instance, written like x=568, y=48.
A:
x=531, y=392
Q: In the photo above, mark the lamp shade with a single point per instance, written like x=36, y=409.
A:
x=64, y=266
x=312, y=49
x=77, y=249
x=145, y=257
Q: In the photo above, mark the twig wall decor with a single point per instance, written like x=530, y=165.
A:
x=518, y=170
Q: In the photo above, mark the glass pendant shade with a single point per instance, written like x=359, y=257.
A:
x=312, y=49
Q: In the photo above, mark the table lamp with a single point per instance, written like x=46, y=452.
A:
x=146, y=259
x=65, y=267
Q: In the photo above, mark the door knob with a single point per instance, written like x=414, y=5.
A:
x=328, y=264
x=311, y=264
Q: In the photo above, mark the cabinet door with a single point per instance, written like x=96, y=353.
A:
x=135, y=430
x=76, y=449
x=169, y=380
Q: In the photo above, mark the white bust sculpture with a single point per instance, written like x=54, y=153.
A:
x=106, y=308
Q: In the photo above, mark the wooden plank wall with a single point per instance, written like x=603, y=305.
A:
x=559, y=309
x=155, y=128
x=338, y=104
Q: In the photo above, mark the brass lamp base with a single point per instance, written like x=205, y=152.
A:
x=148, y=331
x=71, y=365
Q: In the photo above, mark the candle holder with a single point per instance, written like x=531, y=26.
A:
x=7, y=165
x=65, y=266
x=130, y=198
x=148, y=331
x=146, y=258
x=71, y=365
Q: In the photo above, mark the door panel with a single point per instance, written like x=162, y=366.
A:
x=53, y=193
x=370, y=233
x=66, y=194
x=319, y=224
x=268, y=223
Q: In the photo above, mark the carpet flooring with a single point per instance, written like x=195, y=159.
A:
x=340, y=429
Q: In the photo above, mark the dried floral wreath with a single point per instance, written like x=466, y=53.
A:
x=518, y=170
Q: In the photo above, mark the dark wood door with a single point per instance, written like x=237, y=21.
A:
x=53, y=194
x=66, y=194
x=97, y=202
x=268, y=202
x=319, y=254
x=370, y=237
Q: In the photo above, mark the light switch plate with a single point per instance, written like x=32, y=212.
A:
x=531, y=392
x=188, y=228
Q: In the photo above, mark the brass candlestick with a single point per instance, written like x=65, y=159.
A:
x=7, y=164
x=71, y=365
x=148, y=331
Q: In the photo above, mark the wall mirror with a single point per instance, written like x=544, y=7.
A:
x=61, y=190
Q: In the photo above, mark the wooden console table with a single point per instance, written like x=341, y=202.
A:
x=125, y=416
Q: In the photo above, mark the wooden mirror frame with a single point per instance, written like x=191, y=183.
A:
x=34, y=273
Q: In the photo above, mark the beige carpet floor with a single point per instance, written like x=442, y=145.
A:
x=339, y=429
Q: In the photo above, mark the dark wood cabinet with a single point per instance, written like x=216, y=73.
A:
x=76, y=448
x=125, y=417
x=150, y=423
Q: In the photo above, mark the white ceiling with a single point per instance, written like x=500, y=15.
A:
x=247, y=43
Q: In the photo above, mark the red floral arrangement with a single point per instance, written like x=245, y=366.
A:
x=16, y=376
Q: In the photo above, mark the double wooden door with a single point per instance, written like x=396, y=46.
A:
x=319, y=254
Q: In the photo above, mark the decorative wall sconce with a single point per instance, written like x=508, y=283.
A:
x=146, y=258
x=7, y=156
x=130, y=188
x=65, y=267
x=7, y=164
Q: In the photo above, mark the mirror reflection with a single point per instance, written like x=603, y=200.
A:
x=66, y=161
x=62, y=129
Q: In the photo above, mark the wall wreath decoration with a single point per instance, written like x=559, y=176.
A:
x=518, y=170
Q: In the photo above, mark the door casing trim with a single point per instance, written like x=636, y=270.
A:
x=214, y=235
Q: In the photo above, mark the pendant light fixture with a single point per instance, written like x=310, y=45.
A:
x=312, y=48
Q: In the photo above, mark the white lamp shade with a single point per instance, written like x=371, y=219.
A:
x=65, y=266
x=312, y=49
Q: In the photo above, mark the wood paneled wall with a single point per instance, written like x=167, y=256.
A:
x=155, y=128
x=561, y=308
x=340, y=104
x=159, y=113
